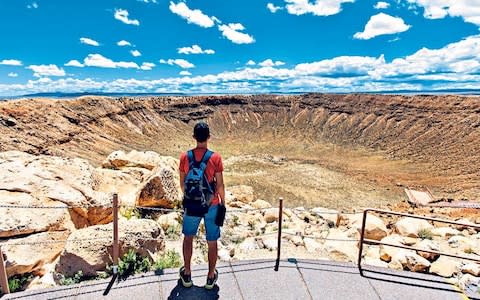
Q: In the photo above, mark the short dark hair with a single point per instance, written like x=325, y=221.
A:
x=201, y=132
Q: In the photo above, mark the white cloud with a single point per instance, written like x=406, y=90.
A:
x=97, y=60
x=232, y=32
x=456, y=65
x=11, y=62
x=319, y=8
x=195, y=49
x=270, y=63
x=272, y=8
x=123, y=43
x=469, y=10
x=182, y=63
x=74, y=63
x=459, y=57
x=88, y=41
x=194, y=16
x=11, y=74
x=148, y=1
x=185, y=73
x=135, y=53
x=250, y=63
x=147, y=66
x=382, y=24
x=34, y=5
x=342, y=65
x=122, y=15
x=46, y=70
x=381, y=5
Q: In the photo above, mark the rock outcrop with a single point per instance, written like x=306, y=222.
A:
x=161, y=189
x=412, y=227
x=20, y=258
x=90, y=249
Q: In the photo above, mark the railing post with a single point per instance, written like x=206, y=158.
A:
x=3, y=274
x=115, y=247
x=360, y=246
x=279, y=238
x=115, y=234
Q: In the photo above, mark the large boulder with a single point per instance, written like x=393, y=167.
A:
x=445, y=232
x=471, y=268
x=411, y=227
x=407, y=259
x=90, y=249
x=464, y=244
x=241, y=193
x=340, y=246
x=161, y=189
x=329, y=215
x=375, y=228
x=22, y=221
x=67, y=181
x=261, y=204
x=388, y=252
x=20, y=258
x=271, y=215
x=146, y=160
x=124, y=182
x=428, y=245
x=445, y=266
x=416, y=263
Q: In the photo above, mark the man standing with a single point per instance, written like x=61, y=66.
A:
x=214, y=175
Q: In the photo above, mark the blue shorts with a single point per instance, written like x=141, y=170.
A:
x=191, y=223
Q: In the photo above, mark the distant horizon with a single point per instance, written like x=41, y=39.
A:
x=238, y=47
x=60, y=95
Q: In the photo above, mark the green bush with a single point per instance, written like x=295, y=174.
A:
x=71, y=280
x=132, y=263
x=130, y=212
x=171, y=259
x=425, y=234
x=17, y=282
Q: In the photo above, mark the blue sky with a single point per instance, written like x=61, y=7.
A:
x=238, y=46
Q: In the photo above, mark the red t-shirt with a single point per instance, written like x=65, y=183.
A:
x=214, y=165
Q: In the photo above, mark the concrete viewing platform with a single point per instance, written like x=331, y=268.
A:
x=256, y=279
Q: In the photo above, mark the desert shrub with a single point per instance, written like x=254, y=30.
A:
x=236, y=220
x=77, y=277
x=18, y=282
x=130, y=212
x=173, y=231
x=425, y=234
x=469, y=250
x=171, y=259
x=132, y=263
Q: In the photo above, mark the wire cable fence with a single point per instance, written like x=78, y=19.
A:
x=258, y=228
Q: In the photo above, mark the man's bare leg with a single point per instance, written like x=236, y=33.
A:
x=212, y=257
x=187, y=253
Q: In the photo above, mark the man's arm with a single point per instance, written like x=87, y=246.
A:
x=220, y=186
x=182, y=179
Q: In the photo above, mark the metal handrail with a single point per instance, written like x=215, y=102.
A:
x=375, y=242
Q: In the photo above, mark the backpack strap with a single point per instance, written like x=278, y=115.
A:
x=202, y=164
x=191, y=159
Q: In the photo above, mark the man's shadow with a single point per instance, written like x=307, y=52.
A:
x=195, y=292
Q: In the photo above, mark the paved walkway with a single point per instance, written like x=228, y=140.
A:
x=302, y=279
